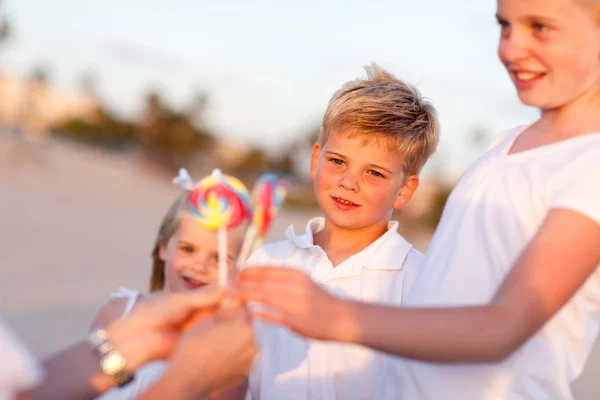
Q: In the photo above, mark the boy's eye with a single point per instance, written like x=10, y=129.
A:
x=539, y=27
x=375, y=173
x=336, y=161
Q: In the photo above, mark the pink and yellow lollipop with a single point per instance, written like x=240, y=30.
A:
x=220, y=202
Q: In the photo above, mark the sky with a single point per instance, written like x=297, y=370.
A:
x=269, y=67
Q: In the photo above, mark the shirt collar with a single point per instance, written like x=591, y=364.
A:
x=388, y=252
x=306, y=240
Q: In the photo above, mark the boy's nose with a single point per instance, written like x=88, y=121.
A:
x=349, y=182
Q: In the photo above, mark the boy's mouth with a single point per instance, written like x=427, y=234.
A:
x=344, y=202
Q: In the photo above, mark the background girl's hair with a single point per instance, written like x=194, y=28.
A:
x=169, y=224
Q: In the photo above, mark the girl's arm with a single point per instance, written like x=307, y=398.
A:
x=111, y=311
x=556, y=263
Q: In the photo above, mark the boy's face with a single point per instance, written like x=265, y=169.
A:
x=358, y=184
x=191, y=255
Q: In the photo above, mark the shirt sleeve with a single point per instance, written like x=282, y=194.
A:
x=578, y=188
x=19, y=369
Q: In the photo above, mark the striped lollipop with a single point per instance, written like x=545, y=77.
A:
x=220, y=202
x=268, y=195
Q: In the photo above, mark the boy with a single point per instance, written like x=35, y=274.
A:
x=375, y=137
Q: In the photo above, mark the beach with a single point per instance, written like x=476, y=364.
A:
x=76, y=223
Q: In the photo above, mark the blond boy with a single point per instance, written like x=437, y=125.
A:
x=375, y=137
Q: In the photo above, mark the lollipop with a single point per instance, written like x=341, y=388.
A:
x=268, y=195
x=220, y=202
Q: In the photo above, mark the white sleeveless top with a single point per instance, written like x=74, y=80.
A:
x=146, y=374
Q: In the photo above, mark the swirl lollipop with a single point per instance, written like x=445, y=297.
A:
x=268, y=195
x=220, y=202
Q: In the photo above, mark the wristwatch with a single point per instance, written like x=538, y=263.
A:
x=112, y=362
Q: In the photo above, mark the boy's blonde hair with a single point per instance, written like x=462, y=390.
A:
x=593, y=6
x=168, y=226
x=384, y=107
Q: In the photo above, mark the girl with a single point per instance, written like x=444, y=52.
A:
x=511, y=280
x=185, y=257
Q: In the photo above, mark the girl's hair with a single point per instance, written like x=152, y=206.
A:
x=168, y=226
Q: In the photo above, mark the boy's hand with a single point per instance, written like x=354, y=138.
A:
x=297, y=302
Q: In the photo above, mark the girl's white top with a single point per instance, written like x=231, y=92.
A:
x=145, y=375
x=491, y=215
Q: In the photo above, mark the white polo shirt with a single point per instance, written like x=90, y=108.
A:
x=292, y=367
x=19, y=369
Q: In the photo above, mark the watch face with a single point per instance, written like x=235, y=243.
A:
x=98, y=337
x=112, y=363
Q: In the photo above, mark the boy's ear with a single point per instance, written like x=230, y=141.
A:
x=314, y=160
x=406, y=193
x=162, y=251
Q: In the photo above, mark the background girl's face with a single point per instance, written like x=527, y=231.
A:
x=191, y=255
x=551, y=49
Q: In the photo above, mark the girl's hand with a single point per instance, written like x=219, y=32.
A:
x=297, y=302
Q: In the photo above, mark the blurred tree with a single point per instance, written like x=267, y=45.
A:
x=255, y=159
x=297, y=155
x=152, y=120
x=170, y=137
x=5, y=30
x=284, y=164
x=39, y=75
x=197, y=107
x=104, y=130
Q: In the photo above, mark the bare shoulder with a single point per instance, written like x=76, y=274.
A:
x=111, y=311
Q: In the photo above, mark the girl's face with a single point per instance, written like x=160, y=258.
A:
x=191, y=255
x=551, y=49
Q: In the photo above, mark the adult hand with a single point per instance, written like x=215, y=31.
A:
x=215, y=353
x=154, y=326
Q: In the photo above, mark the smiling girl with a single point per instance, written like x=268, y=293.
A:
x=185, y=257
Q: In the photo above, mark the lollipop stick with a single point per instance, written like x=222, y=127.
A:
x=222, y=279
x=258, y=243
x=247, y=245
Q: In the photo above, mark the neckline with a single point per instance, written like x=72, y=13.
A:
x=545, y=148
